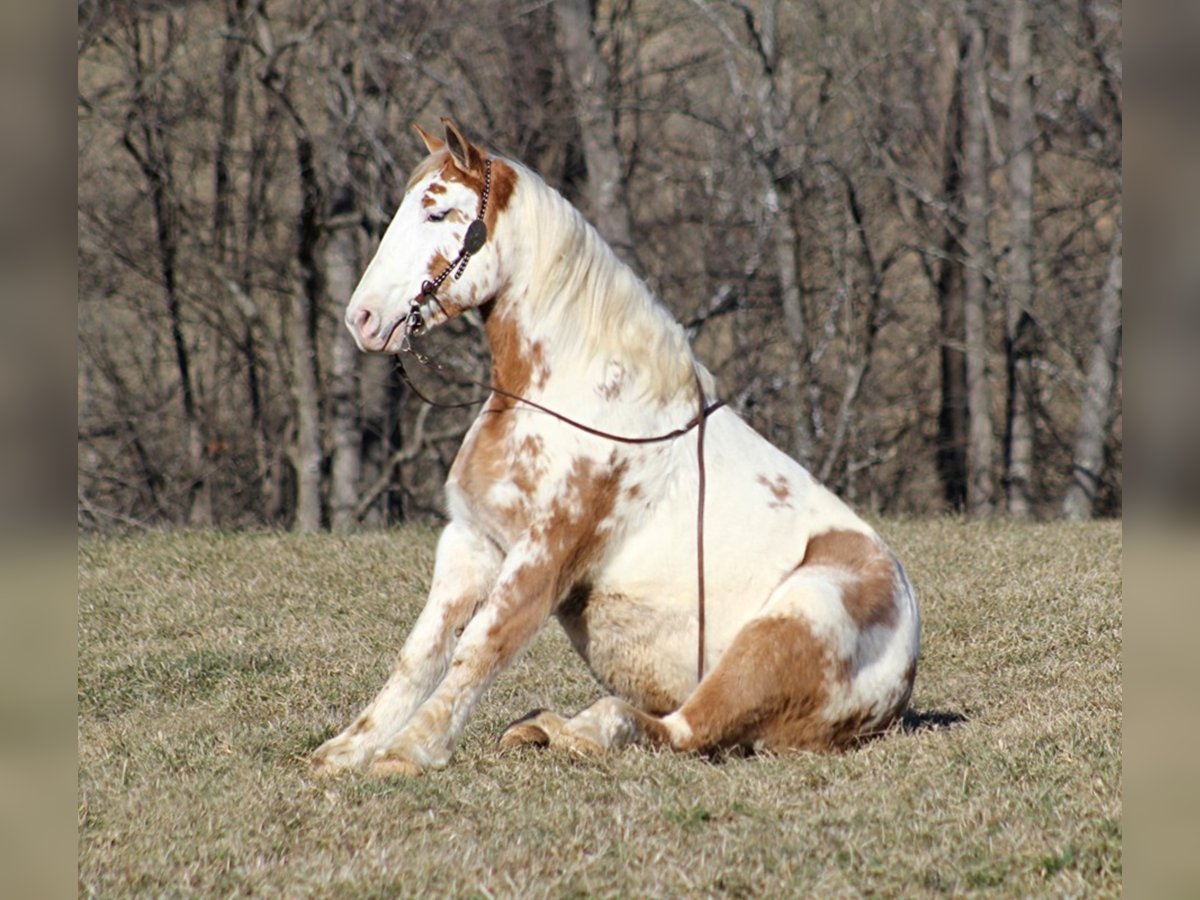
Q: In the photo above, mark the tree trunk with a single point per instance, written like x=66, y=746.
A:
x=307, y=456
x=1019, y=324
x=975, y=285
x=153, y=157
x=952, y=414
x=1095, y=412
x=608, y=205
x=341, y=272
x=786, y=246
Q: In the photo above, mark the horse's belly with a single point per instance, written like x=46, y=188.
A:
x=641, y=651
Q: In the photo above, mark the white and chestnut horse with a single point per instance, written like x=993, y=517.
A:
x=811, y=631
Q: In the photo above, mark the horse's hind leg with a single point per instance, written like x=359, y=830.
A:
x=789, y=679
x=608, y=724
x=786, y=682
x=768, y=689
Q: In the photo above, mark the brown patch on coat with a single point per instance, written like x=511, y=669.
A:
x=485, y=460
x=428, y=201
x=610, y=388
x=489, y=456
x=781, y=491
x=570, y=537
x=512, y=368
x=572, y=530
x=517, y=364
x=504, y=184
x=525, y=464
x=541, y=371
x=770, y=687
x=364, y=723
x=869, y=586
x=436, y=188
x=437, y=263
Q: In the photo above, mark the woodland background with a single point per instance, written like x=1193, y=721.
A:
x=893, y=229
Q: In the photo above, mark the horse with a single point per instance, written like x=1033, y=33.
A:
x=809, y=631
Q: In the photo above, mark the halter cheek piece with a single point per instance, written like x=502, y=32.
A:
x=473, y=241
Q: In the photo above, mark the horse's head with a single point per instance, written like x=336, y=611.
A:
x=427, y=257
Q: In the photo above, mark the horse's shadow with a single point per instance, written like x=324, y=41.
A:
x=915, y=721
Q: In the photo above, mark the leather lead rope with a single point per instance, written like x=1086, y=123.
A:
x=701, y=425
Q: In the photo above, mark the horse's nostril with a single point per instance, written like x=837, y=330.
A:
x=363, y=323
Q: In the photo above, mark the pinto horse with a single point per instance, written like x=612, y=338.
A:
x=811, y=631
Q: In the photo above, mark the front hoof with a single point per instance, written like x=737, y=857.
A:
x=323, y=768
x=333, y=758
x=395, y=767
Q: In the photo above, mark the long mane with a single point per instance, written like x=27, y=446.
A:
x=594, y=304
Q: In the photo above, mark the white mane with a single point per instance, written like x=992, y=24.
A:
x=593, y=302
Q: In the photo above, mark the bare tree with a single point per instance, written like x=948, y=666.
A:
x=1020, y=349
x=765, y=104
x=978, y=263
x=607, y=203
x=812, y=188
x=953, y=421
x=309, y=296
x=146, y=139
x=1095, y=407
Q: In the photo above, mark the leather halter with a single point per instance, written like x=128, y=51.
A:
x=473, y=241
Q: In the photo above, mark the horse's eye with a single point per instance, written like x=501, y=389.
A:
x=438, y=216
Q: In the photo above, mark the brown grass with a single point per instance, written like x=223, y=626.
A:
x=210, y=665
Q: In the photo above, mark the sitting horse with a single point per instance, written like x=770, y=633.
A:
x=808, y=632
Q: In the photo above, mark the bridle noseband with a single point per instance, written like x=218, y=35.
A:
x=473, y=241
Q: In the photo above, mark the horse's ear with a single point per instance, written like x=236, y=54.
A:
x=432, y=143
x=466, y=155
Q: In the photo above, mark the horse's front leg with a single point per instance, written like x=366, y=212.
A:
x=463, y=574
x=515, y=611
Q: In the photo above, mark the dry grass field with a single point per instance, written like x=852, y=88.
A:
x=211, y=664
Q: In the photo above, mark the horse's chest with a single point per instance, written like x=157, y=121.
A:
x=495, y=476
x=507, y=478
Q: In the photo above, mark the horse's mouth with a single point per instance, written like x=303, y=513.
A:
x=420, y=318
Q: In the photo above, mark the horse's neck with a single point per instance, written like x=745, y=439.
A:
x=572, y=309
